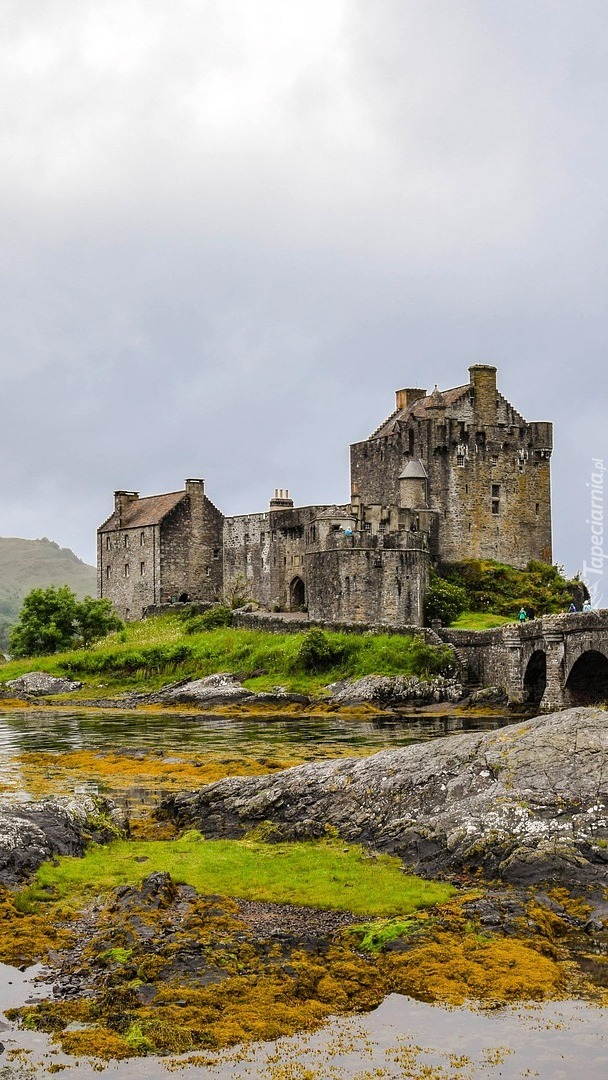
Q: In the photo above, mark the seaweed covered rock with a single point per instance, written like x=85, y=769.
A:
x=527, y=803
x=32, y=832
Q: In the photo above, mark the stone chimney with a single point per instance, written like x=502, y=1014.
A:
x=281, y=500
x=483, y=380
x=405, y=398
x=122, y=500
x=195, y=490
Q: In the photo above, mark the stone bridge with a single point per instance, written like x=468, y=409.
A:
x=551, y=662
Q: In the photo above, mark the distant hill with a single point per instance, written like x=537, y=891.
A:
x=33, y=564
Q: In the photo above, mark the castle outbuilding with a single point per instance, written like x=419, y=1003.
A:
x=449, y=475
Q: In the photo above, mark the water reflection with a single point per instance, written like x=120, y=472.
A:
x=37, y=730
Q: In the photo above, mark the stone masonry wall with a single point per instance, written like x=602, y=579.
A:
x=128, y=568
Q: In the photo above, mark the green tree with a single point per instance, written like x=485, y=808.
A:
x=52, y=620
x=94, y=619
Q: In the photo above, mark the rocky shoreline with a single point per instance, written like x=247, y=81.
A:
x=525, y=804
x=225, y=689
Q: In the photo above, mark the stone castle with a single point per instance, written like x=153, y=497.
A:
x=450, y=475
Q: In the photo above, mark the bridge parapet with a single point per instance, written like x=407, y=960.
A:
x=534, y=658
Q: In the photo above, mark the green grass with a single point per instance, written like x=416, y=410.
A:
x=148, y=654
x=479, y=620
x=326, y=874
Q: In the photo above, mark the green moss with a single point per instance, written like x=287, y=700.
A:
x=326, y=874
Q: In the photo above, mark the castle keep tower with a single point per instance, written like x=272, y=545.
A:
x=488, y=470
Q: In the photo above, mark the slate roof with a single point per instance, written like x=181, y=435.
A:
x=414, y=470
x=418, y=408
x=147, y=511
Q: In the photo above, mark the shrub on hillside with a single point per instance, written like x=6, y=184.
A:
x=317, y=652
x=213, y=619
x=445, y=600
x=492, y=586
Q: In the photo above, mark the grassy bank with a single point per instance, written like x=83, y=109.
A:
x=146, y=655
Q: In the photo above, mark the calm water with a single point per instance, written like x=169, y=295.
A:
x=188, y=733
x=401, y=1038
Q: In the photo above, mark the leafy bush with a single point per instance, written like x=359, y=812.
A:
x=445, y=600
x=491, y=586
x=317, y=652
x=209, y=620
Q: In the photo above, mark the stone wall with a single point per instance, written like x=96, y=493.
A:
x=363, y=580
x=128, y=569
x=190, y=537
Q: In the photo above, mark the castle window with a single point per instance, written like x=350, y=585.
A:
x=480, y=438
x=274, y=534
x=126, y=569
x=142, y=539
x=126, y=540
x=296, y=560
x=382, y=527
x=495, y=498
x=108, y=571
x=246, y=538
x=466, y=489
x=460, y=460
x=262, y=537
x=367, y=526
x=410, y=444
x=537, y=509
x=494, y=459
x=216, y=553
x=142, y=568
x=109, y=543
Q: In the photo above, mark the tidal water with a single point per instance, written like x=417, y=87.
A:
x=403, y=1037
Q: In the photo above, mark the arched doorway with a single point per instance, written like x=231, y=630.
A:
x=297, y=595
x=535, y=679
x=587, y=683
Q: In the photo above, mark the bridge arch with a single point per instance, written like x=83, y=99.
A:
x=535, y=677
x=587, y=680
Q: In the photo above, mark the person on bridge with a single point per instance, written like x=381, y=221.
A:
x=523, y=615
x=573, y=609
x=587, y=606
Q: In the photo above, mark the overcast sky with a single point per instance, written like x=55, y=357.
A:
x=231, y=229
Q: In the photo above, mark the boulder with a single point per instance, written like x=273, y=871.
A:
x=527, y=803
x=220, y=689
x=395, y=690
x=32, y=832
x=39, y=682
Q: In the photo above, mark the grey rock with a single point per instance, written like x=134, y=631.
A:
x=527, y=803
x=213, y=689
x=395, y=690
x=32, y=832
x=39, y=682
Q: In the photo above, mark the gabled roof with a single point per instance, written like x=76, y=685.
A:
x=142, y=512
x=418, y=408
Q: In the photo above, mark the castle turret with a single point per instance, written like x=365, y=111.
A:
x=413, y=482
